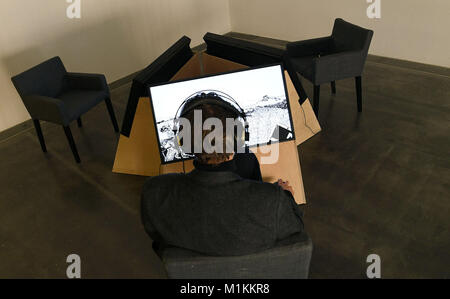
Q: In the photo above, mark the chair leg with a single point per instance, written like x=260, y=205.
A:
x=72, y=144
x=358, y=82
x=333, y=87
x=37, y=125
x=316, y=99
x=80, y=124
x=112, y=114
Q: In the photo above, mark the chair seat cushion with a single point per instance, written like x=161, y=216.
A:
x=78, y=102
x=304, y=66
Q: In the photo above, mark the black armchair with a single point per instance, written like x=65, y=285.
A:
x=339, y=56
x=52, y=94
x=290, y=259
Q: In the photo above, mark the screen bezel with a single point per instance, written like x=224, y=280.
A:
x=150, y=86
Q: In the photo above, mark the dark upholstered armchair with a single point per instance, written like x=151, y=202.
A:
x=52, y=94
x=339, y=56
x=290, y=259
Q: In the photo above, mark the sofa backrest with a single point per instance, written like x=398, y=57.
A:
x=241, y=51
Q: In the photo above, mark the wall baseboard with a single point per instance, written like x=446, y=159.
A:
x=429, y=68
x=122, y=81
x=17, y=129
x=278, y=43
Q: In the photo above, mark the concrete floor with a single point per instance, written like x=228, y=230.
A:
x=376, y=182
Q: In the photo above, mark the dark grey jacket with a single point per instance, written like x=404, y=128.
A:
x=217, y=212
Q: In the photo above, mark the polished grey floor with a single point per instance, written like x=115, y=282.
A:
x=376, y=182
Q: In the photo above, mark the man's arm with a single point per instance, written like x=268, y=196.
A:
x=289, y=216
x=146, y=220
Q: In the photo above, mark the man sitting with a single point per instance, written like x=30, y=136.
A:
x=222, y=208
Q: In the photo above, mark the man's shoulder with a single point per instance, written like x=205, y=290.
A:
x=258, y=187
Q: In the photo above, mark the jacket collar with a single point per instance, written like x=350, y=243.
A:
x=225, y=166
x=212, y=174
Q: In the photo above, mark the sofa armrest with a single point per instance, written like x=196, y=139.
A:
x=310, y=47
x=338, y=66
x=87, y=81
x=46, y=108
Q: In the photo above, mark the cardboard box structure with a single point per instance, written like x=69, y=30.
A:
x=138, y=154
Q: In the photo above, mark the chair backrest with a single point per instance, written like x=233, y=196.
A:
x=286, y=261
x=349, y=37
x=242, y=51
x=45, y=79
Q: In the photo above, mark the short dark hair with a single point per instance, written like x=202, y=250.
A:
x=209, y=111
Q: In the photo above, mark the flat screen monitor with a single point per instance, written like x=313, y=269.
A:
x=260, y=92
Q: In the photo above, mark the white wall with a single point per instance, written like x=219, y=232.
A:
x=416, y=30
x=113, y=37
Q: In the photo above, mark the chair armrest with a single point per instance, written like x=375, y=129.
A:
x=46, y=108
x=338, y=66
x=87, y=81
x=309, y=47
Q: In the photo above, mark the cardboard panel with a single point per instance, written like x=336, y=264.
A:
x=286, y=168
x=178, y=167
x=306, y=124
x=191, y=69
x=215, y=65
x=139, y=153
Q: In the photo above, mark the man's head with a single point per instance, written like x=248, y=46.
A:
x=212, y=131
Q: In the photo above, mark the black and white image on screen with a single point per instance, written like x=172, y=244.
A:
x=260, y=92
